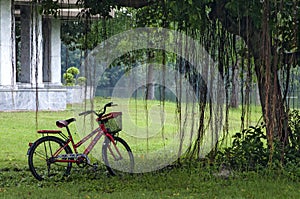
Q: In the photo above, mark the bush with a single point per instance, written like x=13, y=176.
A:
x=73, y=70
x=249, y=149
x=291, y=151
x=70, y=77
x=81, y=81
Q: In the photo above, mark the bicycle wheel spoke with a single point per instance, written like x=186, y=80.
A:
x=41, y=156
x=41, y=161
x=118, y=157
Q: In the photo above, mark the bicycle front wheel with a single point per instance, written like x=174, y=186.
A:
x=41, y=161
x=117, y=156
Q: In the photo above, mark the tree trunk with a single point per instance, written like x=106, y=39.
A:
x=234, y=99
x=266, y=67
x=273, y=108
x=150, y=83
x=150, y=89
x=259, y=44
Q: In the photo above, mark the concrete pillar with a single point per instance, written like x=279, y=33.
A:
x=7, y=63
x=46, y=50
x=31, y=46
x=52, y=51
x=55, y=52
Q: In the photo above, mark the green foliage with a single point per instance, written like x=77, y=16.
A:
x=73, y=70
x=72, y=31
x=288, y=154
x=48, y=7
x=292, y=149
x=70, y=77
x=94, y=7
x=241, y=8
x=85, y=34
x=81, y=81
x=249, y=149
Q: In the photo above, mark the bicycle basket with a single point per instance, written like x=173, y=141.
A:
x=112, y=121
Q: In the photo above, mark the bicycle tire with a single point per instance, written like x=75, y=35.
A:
x=115, y=165
x=38, y=159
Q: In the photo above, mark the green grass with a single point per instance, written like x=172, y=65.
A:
x=195, y=182
x=17, y=129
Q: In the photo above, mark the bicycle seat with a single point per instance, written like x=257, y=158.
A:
x=64, y=123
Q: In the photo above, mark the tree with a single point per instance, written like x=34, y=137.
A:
x=270, y=31
x=261, y=26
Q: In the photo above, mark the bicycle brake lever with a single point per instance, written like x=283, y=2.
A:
x=109, y=104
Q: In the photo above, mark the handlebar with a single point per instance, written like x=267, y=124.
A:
x=86, y=113
x=110, y=104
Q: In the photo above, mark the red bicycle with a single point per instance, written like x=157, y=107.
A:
x=52, y=157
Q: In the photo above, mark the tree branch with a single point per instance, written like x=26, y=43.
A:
x=234, y=25
x=242, y=26
x=134, y=3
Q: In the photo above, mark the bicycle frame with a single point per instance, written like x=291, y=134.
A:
x=99, y=132
x=55, y=147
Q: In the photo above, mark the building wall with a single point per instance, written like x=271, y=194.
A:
x=39, y=86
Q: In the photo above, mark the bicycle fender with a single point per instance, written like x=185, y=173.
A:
x=31, y=145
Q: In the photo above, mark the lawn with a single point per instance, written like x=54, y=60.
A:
x=186, y=181
x=183, y=182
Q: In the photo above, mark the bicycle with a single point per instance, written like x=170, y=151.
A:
x=52, y=157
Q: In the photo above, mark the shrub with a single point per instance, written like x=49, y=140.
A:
x=70, y=77
x=249, y=149
x=73, y=70
x=291, y=151
x=81, y=81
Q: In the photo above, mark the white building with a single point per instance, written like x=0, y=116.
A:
x=38, y=85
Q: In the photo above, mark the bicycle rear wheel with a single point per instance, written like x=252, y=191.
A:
x=117, y=156
x=41, y=162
